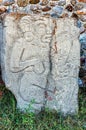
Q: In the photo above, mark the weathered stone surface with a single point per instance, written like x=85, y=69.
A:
x=65, y=66
x=1, y=39
x=40, y=59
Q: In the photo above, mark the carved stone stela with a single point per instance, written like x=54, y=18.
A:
x=40, y=62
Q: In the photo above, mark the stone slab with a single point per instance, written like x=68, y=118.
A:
x=40, y=62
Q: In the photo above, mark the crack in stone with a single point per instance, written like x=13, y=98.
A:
x=43, y=88
x=50, y=61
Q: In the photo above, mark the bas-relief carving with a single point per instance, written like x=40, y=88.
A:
x=65, y=67
x=30, y=57
x=40, y=63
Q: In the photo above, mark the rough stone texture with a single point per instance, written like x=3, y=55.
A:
x=65, y=66
x=40, y=62
x=1, y=34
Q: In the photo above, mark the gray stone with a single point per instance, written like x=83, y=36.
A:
x=82, y=38
x=58, y=10
x=40, y=59
x=1, y=39
x=62, y=2
x=65, y=66
x=78, y=6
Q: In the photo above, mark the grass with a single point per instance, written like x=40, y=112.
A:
x=12, y=119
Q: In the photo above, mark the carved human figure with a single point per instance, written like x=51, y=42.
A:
x=65, y=62
x=30, y=58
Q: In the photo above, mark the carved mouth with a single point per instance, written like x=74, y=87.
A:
x=46, y=38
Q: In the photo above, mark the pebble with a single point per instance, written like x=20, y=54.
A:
x=78, y=6
x=46, y=8
x=44, y=2
x=54, y=15
x=79, y=24
x=2, y=9
x=34, y=1
x=22, y=3
x=81, y=12
x=82, y=30
x=53, y=3
x=84, y=1
x=73, y=2
x=82, y=38
x=8, y=2
x=62, y=3
x=82, y=18
x=58, y=10
x=64, y=15
x=80, y=82
x=69, y=7
x=84, y=25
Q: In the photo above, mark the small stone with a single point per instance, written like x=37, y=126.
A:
x=81, y=12
x=82, y=30
x=52, y=3
x=44, y=2
x=84, y=25
x=54, y=15
x=69, y=8
x=80, y=82
x=45, y=9
x=78, y=6
x=79, y=24
x=22, y=3
x=82, y=18
x=82, y=38
x=74, y=15
x=35, y=8
x=82, y=15
x=58, y=10
x=73, y=2
x=62, y=2
x=8, y=2
x=64, y=15
x=2, y=9
x=84, y=1
x=34, y=1
x=81, y=72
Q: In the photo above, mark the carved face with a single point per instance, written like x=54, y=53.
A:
x=44, y=29
x=39, y=28
x=26, y=28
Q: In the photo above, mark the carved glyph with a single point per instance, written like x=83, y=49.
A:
x=29, y=58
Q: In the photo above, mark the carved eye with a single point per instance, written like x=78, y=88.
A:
x=41, y=28
x=25, y=24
